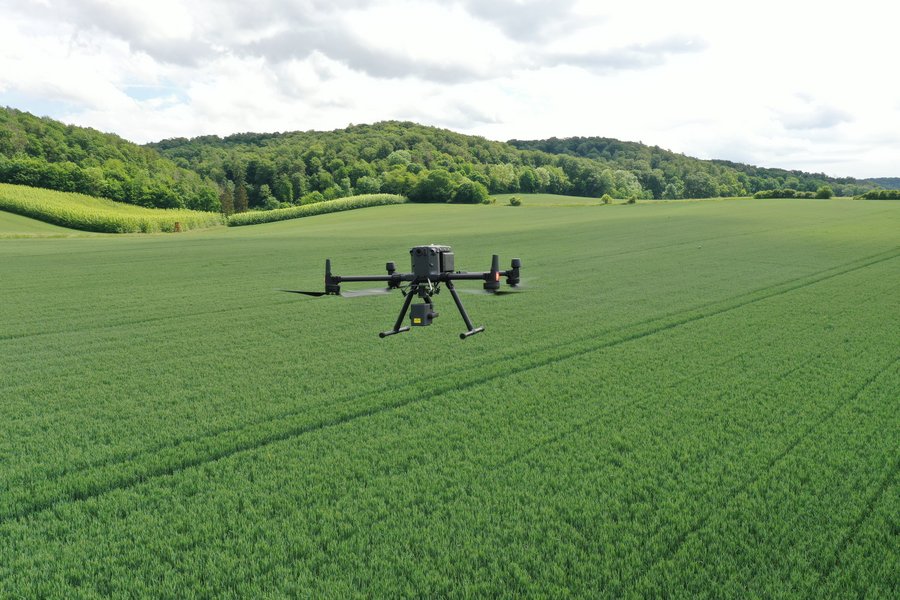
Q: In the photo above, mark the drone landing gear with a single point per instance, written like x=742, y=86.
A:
x=422, y=314
x=472, y=329
x=397, y=329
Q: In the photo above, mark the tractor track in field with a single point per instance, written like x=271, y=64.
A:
x=392, y=387
x=854, y=528
x=487, y=470
x=564, y=351
x=582, y=425
x=173, y=317
x=690, y=242
x=680, y=540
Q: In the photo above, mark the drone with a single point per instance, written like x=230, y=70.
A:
x=432, y=266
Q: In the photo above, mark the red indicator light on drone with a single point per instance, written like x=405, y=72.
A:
x=496, y=276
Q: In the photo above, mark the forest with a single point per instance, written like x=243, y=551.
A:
x=427, y=164
x=42, y=152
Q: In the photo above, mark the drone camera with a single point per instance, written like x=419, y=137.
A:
x=422, y=314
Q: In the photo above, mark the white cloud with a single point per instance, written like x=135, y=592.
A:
x=800, y=84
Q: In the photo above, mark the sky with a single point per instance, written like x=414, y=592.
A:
x=792, y=84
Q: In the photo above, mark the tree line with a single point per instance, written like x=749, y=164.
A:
x=426, y=164
x=437, y=165
x=41, y=152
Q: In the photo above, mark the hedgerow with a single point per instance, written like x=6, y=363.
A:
x=882, y=195
x=783, y=193
x=318, y=208
x=87, y=213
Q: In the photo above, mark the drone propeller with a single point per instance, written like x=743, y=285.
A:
x=345, y=294
x=516, y=289
x=315, y=294
x=368, y=292
x=484, y=292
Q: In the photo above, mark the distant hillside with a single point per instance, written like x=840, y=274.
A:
x=41, y=152
x=670, y=175
x=888, y=183
x=427, y=163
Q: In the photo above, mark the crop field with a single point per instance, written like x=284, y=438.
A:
x=98, y=214
x=549, y=200
x=256, y=217
x=693, y=399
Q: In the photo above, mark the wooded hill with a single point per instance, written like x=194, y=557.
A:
x=666, y=174
x=888, y=183
x=427, y=164
x=42, y=152
x=431, y=164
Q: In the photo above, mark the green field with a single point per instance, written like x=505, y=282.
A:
x=693, y=399
x=12, y=225
x=549, y=200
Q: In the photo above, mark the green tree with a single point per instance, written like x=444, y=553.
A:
x=824, y=192
x=671, y=192
x=699, y=185
x=528, y=180
x=368, y=185
x=241, y=199
x=312, y=198
x=436, y=186
x=284, y=189
x=626, y=184
x=398, y=181
x=470, y=192
x=503, y=178
x=553, y=179
x=226, y=198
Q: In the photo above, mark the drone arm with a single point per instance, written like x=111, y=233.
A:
x=492, y=277
x=388, y=278
x=477, y=276
x=393, y=281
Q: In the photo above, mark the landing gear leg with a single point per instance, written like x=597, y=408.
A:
x=472, y=329
x=413, y=290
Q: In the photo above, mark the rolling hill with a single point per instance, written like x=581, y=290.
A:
x=42, y=152
x=398, y=157
x=277, y=170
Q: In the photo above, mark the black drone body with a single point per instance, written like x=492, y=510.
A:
x=432, y=266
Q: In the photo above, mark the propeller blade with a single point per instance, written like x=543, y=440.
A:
x=483, y=292
x=315, y=294
x=522, y=286
x=368, y=292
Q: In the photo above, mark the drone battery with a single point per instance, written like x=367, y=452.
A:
x=422, y=314
x=447, y=262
